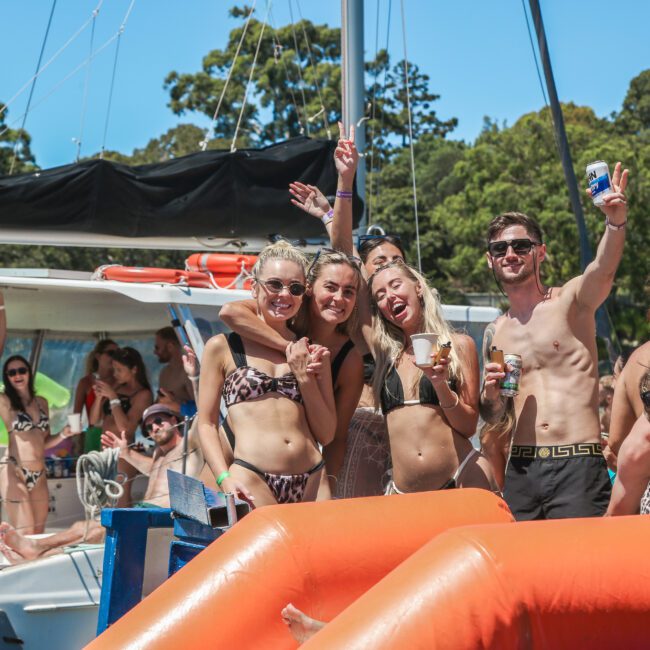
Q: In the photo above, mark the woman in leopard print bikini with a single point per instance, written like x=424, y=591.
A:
x=278, y=410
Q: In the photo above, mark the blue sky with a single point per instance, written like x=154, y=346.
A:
x=476, y=53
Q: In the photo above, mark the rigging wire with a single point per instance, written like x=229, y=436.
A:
x=301, y=84
x=532, y=46
x=279, y=48
x=233, y=146
x=410, y=124
x=31, y=91
x=377, y=185
x=210, y=134
x=84, y=100
x=68, y=76
x=374, y=108
x=112, y=86
x=4, y=107
x=323, y=110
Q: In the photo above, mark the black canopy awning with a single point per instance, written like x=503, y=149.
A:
x=206, y=194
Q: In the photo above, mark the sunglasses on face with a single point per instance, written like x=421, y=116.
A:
x=519, y=246
x=148, y=428
x=276, y=286
x=17, y=371
x=355, y=261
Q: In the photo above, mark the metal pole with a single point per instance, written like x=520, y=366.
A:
x=562, y=142
x=353, y=81
x=602, y=318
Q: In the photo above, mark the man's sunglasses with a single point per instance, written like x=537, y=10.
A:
x=148, y=428
x=275, y=286
x=17, y=371
x=519, y=246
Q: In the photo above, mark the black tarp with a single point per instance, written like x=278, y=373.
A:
x=210, y=193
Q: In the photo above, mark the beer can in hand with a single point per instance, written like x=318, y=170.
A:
x=600, y=182
x=510, y=383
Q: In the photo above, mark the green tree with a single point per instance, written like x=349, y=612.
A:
x=14, y=142
x=634, y=117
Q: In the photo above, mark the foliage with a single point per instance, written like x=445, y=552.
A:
x=14, y=140
x=460, y=189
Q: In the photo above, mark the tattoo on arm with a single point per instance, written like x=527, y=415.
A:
x=488, y=336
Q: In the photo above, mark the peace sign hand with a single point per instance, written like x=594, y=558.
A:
x=346, y=155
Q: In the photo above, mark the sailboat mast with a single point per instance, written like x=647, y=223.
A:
x=353, y=82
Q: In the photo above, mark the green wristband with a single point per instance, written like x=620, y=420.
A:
x=222, y=477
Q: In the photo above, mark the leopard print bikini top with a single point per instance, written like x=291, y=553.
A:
x=246, y=383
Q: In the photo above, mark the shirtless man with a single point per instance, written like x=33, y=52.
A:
x=175, y=386
x=556, y=468
x=630, y=436
x=627, y=404
x=159, y=422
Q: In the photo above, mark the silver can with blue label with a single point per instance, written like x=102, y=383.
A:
x=600, y=182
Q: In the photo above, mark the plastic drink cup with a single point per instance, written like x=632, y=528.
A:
x=74, y=421
x=423, y=346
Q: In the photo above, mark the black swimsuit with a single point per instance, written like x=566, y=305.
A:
x=392, y=392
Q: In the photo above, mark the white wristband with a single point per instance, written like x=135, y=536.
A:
x=115, y=402
x=2, y=307
x=327, y=218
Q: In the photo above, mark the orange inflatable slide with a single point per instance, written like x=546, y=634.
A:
x=319, y=556
x=574, y=584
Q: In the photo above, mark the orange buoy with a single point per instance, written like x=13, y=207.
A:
x=220, y=263
x=149, y=274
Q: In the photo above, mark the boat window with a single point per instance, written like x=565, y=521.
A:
x=18, y=343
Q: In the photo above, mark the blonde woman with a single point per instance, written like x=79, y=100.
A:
x=279, y=412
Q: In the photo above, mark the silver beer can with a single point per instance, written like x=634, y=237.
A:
x=600, y=182
x=510, y=383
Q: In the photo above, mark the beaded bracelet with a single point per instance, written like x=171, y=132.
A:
x=613, y=226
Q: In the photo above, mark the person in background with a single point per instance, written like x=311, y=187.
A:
x=174, y=387
x=23, y=484
x=162, y=425
x=99, y=365
x=120, y=407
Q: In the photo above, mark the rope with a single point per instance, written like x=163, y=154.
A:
x=250, y=78
x=301, y=85
x=408, y=106
x=56, y=55
x=323, y=110
x=210, y=134
x=31, y=91
x=110, y=92
x=84, y=99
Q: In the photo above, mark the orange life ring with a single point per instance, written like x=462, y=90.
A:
x=152, y=274
x=222, y=263
x=223, y=281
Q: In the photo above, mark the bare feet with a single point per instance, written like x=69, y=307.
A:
x=302, y=627
x=26, y=548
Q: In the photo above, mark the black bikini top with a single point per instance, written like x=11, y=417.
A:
x=24, y=422
x=246, y=383
x=392, y=392
x=337, y=363
x=125, y=403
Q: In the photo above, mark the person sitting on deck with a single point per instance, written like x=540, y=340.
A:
x=162, y=425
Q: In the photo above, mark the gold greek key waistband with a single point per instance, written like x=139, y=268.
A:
x=557, y=451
